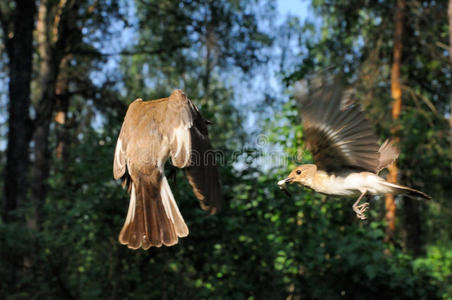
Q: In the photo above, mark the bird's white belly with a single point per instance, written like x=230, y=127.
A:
x=353, y=184
x=336, y=186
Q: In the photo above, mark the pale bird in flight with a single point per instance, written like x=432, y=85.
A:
x=346, y=154
x=153, y=131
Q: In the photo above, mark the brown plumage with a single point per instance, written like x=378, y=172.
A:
x=153, y=131
x=388, y=154
x=345, y=150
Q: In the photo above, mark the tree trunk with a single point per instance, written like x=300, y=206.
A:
x=44, y=105
x=449, y=14
x=52, y=33
x=62, y=106
x=18, y=37
x=396, y=93
x=19, y=46
x=39, y=172
x=62, y=125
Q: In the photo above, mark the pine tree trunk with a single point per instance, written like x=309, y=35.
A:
x=396, y=93
x=52, y=41
x=18, y=39
x=44, y=107
x=62, y=107
x=19, y=46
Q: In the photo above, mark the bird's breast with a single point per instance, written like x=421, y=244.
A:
x=348, y=185
x=331, y=184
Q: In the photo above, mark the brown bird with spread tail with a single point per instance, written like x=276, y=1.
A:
x=153, y=131
x=344, y=149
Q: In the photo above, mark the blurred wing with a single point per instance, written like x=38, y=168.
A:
x=202, y=174
x=336, y=132
x=191, y=149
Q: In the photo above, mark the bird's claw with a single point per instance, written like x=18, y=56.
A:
x=360, y=210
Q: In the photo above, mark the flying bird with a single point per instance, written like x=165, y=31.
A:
x=151, y=132
x=347, y=156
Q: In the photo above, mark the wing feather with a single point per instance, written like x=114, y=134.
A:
x=336, y=131
x=181, y=114
x=191, y=149
x=119, y=162
x=202, y=174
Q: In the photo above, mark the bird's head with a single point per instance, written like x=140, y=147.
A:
x=302, y=175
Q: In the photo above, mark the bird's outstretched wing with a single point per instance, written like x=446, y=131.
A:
x=152, y=131
x=335, y=130
x=202, y=172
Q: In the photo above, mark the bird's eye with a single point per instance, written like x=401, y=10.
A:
x=298, y=172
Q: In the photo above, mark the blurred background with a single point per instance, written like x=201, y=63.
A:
x=69, y=69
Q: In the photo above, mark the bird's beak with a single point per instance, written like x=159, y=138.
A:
x=283, y=182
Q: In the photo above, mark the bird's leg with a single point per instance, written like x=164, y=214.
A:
x=360, y=209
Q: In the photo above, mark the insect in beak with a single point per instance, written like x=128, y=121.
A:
x=284, y=181
x=283, y=187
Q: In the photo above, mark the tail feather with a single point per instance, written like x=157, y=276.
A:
x=410, y=192
x=126, y=236
x=153, y=218
x=172, y=210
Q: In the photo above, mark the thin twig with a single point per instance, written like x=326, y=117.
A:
x=442, y=45
x=422, y=97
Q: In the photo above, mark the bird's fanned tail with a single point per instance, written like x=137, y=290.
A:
x=153, y=218
x=410, y=192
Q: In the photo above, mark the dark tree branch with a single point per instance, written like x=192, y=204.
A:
x=92, y=52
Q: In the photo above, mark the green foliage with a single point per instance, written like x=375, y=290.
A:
x=264, y=245
x=437, y=262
